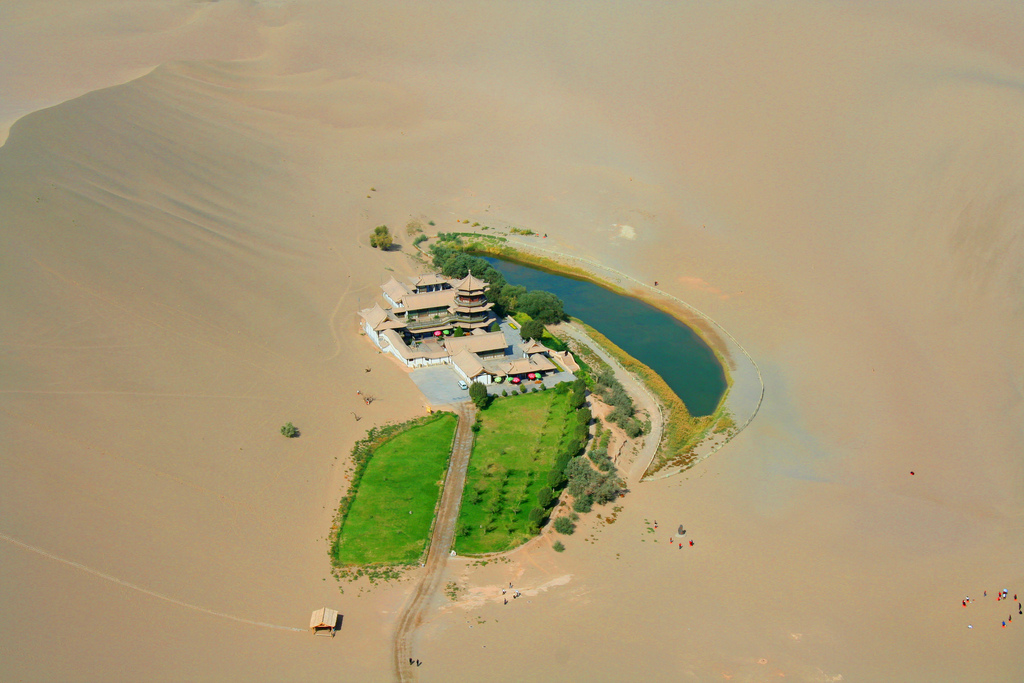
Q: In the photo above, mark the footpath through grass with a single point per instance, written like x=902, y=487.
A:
x=517, y=444
x=393, y=502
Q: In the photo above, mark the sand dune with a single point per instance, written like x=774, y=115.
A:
x=184, y=201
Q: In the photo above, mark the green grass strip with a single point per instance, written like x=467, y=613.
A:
x=517, y=445
x=394, y=495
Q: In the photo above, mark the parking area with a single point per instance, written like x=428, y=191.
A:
x=439, y=384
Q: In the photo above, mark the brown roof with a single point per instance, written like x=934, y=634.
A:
x=323, y=618
x=534, y=346
x=421, y=300
x=468, y=363
x=424, y=350
x=566, y=360
x=477, y=343
x=379, y=319
x=395, y=289
x=431, y=279
x=527, y=365
x=470, y=284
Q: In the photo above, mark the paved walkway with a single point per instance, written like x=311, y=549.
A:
x=440, y=545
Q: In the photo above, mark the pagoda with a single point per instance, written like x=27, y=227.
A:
x=470, y=304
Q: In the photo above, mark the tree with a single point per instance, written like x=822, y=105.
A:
x=556, y=479
x=542, y=306
x=478, y=392
x=381, y=238
x=538, y=515
x=532, y=329
x=289, y=430
x=545, y=497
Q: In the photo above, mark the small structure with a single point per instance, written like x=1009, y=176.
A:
x=324, y=619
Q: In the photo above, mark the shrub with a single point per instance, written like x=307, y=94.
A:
x=558, y=547
x=478, y=392
x=584, y=503
x=633, y=427
x=381, y=238
x=475, y=427
x=522, y=388
x=504, y=392
x=459, y=332
x=289, y=430
x=564, y=525
x=420, y=239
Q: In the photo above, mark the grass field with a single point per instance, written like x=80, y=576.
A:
x=514, y=450
x=404, y=475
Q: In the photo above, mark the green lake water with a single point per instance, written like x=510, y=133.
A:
x=653, y=337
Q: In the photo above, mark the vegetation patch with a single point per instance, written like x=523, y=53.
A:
x=386, y=516
x=508, y=483
x=681, y=431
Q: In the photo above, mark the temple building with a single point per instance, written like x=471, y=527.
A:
x=435, y=320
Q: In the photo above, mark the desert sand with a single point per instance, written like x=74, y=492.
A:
x=185, y=198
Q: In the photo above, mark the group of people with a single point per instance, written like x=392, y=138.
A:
x=671, y=539
x=1001, y=596
x=515, y=593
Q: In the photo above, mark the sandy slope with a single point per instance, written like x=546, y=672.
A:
x=181, y=257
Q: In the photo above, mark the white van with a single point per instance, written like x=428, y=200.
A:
x=463, y=385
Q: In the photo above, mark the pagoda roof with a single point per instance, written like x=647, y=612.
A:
x=471, y=284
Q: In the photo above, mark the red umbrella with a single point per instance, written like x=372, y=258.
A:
x=515, y=380
x=532, y=376
x=437, y=333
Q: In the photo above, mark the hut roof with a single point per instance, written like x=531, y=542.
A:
x=566, y=360
x=477, y=343
x=325, y=617
x=536, y=363
x=441, y=298
x=431, y=280
x=534, y=346
x=395, y=289
x=468, y=363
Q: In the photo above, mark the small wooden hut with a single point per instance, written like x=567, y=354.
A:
x=323, y=619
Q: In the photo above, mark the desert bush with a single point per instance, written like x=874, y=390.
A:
x=381, y=238
x=564, y=525
x=289, y=430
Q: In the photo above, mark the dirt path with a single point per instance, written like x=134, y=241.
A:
x=440, y=545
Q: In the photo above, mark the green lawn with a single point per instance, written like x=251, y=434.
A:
x=404, y=475
x=514, y=450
